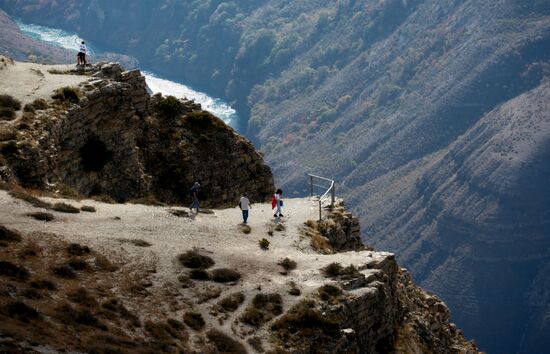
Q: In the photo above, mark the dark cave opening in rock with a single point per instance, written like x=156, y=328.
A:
x=95, y=155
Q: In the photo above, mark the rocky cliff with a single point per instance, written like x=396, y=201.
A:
x=134, y=278
x=109, y=137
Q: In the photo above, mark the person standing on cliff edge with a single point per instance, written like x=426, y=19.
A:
x=81, y=56
x=194, y=192
x=277, y=201
x=244, y=204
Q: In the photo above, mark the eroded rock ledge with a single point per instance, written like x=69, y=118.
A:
x=113, y=141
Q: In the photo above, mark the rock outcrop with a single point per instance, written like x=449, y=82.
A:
x=109, y=136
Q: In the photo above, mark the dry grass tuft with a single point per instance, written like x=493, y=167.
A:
x=245, y=229
x=256, y=344
x=194, y=320
x=264, y=244
x=263, y=308
x=43, y=285
x=332, y=270
x=81, y=297
x=42, y=216
x=104, y=264
x=64, y=271
x=19, y=193
x=65, y=208
x=225, y=275
x=195, y=260
x=329, y=292
x=40, y=104
x=71, y=316
x=287, y=264
x=8, y=269
x=224, y=343
x=280, y=227
x=21, y=311
x=294, y=289
x=231, y=302
x=76, y=249
x=88, y=209
x=9, y=235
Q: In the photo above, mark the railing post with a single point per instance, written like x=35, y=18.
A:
x=333, y=194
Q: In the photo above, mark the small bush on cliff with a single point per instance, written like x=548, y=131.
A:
x=170, y=107
x=328, y=292
x=203, y=121
x=71, y=94
x=225, y=275
x=7, y=113
x=287, y=264
x=10, y=102
x=34, y=201
x=332, y=270
x=194, y=320
x=40, y=104
x=9, y=235
x=264, y=307
x=224, y=343
x=76, y=249
x=65, y=208
x=29, y=108
x=264, y=244
x=42, y=216
x=231, y=302
x=21, y=311
x=195, y=260
x=14, y=271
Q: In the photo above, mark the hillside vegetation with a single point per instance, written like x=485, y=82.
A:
x=381, y=96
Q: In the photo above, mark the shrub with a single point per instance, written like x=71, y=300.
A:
x=9, y=235
x=194, y=320
x=21, y=311
x=231, y=302
x=20, y=194
x=287, y=264
x=328, y=292
x=332, y=270
x=304, y=320
x=192, y=259
x=264, y=244
x=82, y=297
x=256, y=344
x=225, y=275
x=65, y=208
x=89, y=209
x=170, y=107
x=43, y=285
x=203, y=121
x=8, y=101
x=67, y=93
x=78, y=264
x=224, y=343
x=40, y=104
x=280, y=227
x=7, y=113
x=13, y=271
x=76, y=249
x=294, y=290
x=263, y=308
x=29, y=108
x=69, y=315
x=245, y=229
x=199, y=274
x=64, y=271
x=42, y=216
x=104, y=264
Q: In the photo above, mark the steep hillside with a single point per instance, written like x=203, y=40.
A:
x=374, y=94
x=477, y=221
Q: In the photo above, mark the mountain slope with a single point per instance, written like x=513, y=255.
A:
x=374, y=94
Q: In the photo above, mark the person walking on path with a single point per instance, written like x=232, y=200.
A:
x=194, y=191
x=244, y=204
x=81, y=56
x=277, y=201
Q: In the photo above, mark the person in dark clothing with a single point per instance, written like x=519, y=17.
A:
x=194, y=191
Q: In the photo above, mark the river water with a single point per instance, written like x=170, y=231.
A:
x=155, y=82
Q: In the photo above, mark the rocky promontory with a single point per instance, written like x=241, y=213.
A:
x=107, y=136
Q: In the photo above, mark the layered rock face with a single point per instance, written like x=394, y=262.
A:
x=114, y=142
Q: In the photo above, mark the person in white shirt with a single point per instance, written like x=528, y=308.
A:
x=81, y=56
x=244, y=204
x=278, y=196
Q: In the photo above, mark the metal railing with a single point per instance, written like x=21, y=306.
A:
x=329, y=189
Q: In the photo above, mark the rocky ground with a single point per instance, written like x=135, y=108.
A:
x=126, y=284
